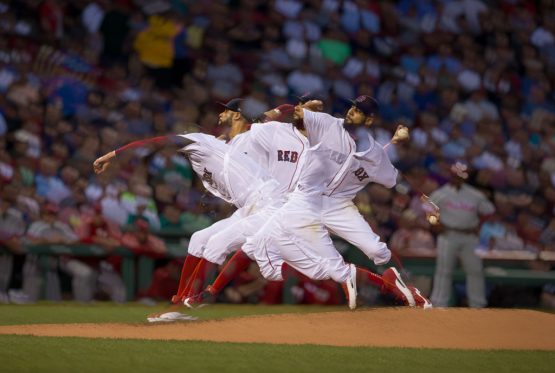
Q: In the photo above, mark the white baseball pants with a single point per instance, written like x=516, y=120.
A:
x=295, y=235
x=199, y=239
x=216, y=242
x=342, y=218
x=234, y=235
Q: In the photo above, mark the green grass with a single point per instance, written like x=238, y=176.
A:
x=46, y=354
x=71, y=312
x=49, y=354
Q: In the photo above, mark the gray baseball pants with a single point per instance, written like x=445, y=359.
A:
x=450, y=246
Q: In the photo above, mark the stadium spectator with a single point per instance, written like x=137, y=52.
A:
x=141, y=241
x=411, y=238
x=12, y=228
x=95, y=230
x=155, y=46
x=49, y=230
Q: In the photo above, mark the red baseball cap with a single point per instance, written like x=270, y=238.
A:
x=282, y=113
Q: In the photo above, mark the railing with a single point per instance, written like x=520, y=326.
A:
x=503, y=267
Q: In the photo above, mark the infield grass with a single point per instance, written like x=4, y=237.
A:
x=54, y=354
x=48, y=354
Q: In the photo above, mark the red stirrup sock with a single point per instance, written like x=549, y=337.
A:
x=238, y=263
x=197, y=281
x=185, y=291
x=345, y=291
x=367, y=276
x=187, y=270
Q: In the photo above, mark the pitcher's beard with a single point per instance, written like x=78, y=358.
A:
x=225, y=122
x=298, y=123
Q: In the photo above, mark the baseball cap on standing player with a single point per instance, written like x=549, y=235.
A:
x=233, y=104
x=460, y=169
x=368, y=105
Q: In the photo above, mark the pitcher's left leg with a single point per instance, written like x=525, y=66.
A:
x=344, y=220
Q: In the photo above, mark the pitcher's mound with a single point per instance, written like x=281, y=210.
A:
x=385, y=327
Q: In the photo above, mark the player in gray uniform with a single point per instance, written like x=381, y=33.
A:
x=460, y=205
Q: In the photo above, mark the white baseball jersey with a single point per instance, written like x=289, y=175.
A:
x=295, y=234
x=333, y=167
x=228, y=174
x=329, y=149
x=370, y=165
x=339, y=214
x=277, y=147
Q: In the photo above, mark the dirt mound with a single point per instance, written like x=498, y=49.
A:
x=391, y=327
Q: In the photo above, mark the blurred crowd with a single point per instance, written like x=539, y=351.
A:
x=472, y=79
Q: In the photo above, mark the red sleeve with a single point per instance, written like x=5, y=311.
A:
x=159, y=141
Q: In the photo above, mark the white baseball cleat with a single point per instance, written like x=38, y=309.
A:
x=171, y=316
x=189, y=303
x=351, y=285
x=196, y=301
x=395, y=285
x=420, y=300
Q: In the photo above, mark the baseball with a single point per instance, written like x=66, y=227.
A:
x=432, y=219
x=403, y=133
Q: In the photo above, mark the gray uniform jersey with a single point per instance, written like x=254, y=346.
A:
x=225, y=171
x=460, y=208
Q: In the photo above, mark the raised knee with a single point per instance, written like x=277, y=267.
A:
x=383, y=255
x=198, y=238
x=196, y=245
x=272, y=274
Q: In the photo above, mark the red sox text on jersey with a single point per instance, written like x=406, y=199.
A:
x=287, y=156
x=361, y=174
x=207, y=176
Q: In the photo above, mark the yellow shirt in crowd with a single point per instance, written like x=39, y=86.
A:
x=155, y=43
